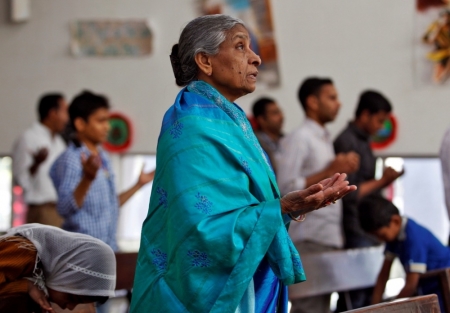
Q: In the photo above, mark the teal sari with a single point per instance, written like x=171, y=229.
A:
x=214, y=215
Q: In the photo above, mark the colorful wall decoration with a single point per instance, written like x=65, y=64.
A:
x=120, y=135
x=432, y=41
x=387, y=135
x=110, y=38
x=257, y=16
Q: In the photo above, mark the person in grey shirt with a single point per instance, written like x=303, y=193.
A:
x=269, y=118
x=306, y=157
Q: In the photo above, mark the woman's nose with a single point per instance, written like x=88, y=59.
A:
x=254, y=59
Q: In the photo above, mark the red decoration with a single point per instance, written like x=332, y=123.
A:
x=121, y=133
x=253, y=122
x=387, y=135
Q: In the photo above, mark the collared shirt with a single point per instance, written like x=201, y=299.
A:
x=100, y=210
x=418, y=249
x=38, y=188
x=356, y=140
x=304, y=152
x=444, y=155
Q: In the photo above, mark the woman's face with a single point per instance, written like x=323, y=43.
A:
x=66, y=300
x=234, y=68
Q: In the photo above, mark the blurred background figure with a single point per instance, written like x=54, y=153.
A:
x=83, y=174
x=444, y=155
x=307, y=156
x=34, y=152
x=372, y=111
x=84, y=178
x=269, y=118
x=415, y=246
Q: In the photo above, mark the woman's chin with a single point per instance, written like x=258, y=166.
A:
x=249, y=88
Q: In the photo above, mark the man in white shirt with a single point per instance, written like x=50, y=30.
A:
x=33, y=154
x=307, y=157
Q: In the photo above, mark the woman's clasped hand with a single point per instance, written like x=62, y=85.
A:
x=316, y=196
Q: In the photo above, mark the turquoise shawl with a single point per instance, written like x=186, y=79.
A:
x=214, y=211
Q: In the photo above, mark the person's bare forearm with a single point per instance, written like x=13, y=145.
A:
x=411, y=283
x=378, y=291
x=315, y=178
x=382, y=279
x=80, y=192
x=406, y=292
x=367, y=187
x=126, y=195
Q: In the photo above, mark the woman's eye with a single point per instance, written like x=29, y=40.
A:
x=240, y=47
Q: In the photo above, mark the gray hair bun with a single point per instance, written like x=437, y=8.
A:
x=176, y=66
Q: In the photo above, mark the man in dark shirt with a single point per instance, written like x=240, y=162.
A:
x=372, y=111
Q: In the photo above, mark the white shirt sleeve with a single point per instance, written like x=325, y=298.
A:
x=444, y=155
x=294, y=151
x=22, y=161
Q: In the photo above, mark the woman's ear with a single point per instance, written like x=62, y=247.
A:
x=204, y=63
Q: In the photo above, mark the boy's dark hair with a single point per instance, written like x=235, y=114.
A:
x=259, y=107
x=376, y=212
x=47, y=103
x=311, y=86
x=84, y=104
x=373, y=102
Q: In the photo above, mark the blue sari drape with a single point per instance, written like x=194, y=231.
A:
x=214, y=221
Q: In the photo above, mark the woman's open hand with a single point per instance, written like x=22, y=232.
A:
x=316, y=196
x=39, y=297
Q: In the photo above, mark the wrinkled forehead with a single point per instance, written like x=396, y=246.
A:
x=238, y=32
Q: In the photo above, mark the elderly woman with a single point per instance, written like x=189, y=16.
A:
x=49, y=264
x=215, y=237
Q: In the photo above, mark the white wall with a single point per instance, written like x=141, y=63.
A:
x=359, y=43
x=34, y=58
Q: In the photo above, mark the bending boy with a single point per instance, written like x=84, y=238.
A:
x=416, y=247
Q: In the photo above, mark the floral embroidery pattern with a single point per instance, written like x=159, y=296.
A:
x=177, y=130
x=296, y=262
x=246, y=167
x=159, y=259
x=162, y=196
x=203, y=205
x=199, y=259
x=230, y=109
